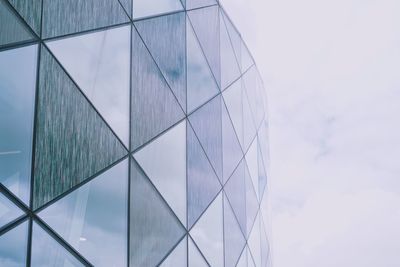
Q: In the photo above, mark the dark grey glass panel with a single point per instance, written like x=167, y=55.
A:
x=201, y=84
x=46, y=252
x=164, y=162
x=254, y=242
x=206, y=122
x=17, y=98
x=142, y=8
x=229, y=67
x=8, y=211
x=234, y=240
x=205, y=23
x=30, y=10
x=165, y=38
x=12, y=30
x=195, y=258
x=99, y=63
x=232, y=152
x=251, y=202
x=178, y=257
x=199, y=3
x=234, y=36
x=71, y=136
x=252, y=164
x=235, y=190
x=262, y=175
x=233, y=100
x=62, y=17
x=207, y=233
x=154, y=229
x=127, y=5
x=93, y=218
x=203, y=183
x=154, y=107
x=13, y=246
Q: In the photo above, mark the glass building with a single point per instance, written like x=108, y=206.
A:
x=132, y=133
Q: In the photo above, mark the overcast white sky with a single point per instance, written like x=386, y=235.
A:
x=332, y=71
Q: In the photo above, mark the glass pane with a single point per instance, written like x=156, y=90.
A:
x=250, y=261
x=11, y=28
x=207, y=233
x=254, y=242
x=233, y=237
x=252, y=163
x=13, y=246
x=205, y=23
x=243, y=259
x=250, y=85
x=233, y=100
x=206, y=122
x=249, y=130
x=165, y=38
x=62, y=17
x=234, y=36
x=30, y=11
x=199, y=3
x=262, y=176
x=201, y=84
x=178, y=257
x=81, y=143
x=46, y=252
x=8, y=211
x=99, y=63
x=164, y=162
x=264, y=244
x=93, y=219
x=127, y=5
x=154, y=229
x=195, y=257
x=232, y=152
x=154, y=106
x=142, y=8
x=203, y=184
x=229, y=67
x=235, y=191
x=251, y=202
x=17, y=98
x=247, y=60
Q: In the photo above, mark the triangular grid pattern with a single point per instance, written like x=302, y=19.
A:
x=119, y=75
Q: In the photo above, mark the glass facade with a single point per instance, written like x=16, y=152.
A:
x=132, y=133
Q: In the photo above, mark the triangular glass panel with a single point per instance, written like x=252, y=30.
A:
x=229, y=67
x=165, y=38
x=264, y=245
x=205, y=23
x=30, y=12
x=201, y=84
x=234, y=240
x=154, y=107
x=263, y=141
x=8, y=211
x=178, y=257
x=234, y=35
x=12, y=29
x=78, y=219
x=154, y=229
x=233, y=100
x=99, y=63
x=251, y=201
x=207, y=233
x=250, y=261
x=246, y=59
x=127, y=5
x=183, y=3
x=13, y=246
x=243, y=259
x=48, y=252
x=206, y=122
x=203, y=184
x=142, y=8
x=250, y=85
x=249, y=129
x=195, y=258
x=232, y=152
x=164, y=162
x=235, y=191
x=81, y=143
x=262, y=175
x=254, y=242
x=62, y=17
x=17, y=100
x=252, y=163
x=190, y=4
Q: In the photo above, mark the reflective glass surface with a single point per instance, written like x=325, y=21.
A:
x=164, y=162
x=178, y=257
x=8, y=211
x=245, y=57
x=254, y=242
x=251, y=202
x=234, y=36
x=17, y=98
x=13, y=246
x=30, y=11
x=195, y=257
x=249, y=130
x=199, y=3
x=252, y=163
x=262, y=175
x=141, y=8
x=99, y=63
x=243, y=259
x=82, y=218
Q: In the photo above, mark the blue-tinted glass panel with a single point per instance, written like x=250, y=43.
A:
x=8, y=211
x=246, y=59
x=99, y=63
x=165, y=38
x=252, y=163
x=127, y=5
x=243, y=259
x=195, y=257
x=17, y=98
x=249, y=129
x=62, y=17
x=46, y=252
x=233, y=100
x=254, y=242
x=142, y=8
x=190, y=4
x=251, y=202
x=30, y=11
x=178, y=257
x=262, y=175
x=264, y=244
x=234, y=37
x=13, y=246
x=93, y=218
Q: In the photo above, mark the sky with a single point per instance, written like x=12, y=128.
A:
x=332, y=75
